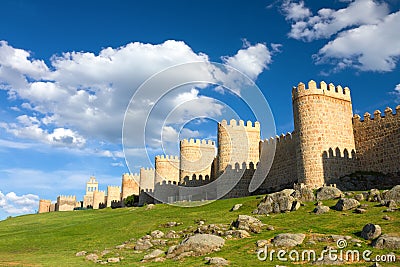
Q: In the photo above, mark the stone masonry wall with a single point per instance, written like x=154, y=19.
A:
x=146, y=186
x=99, y=199
x=237, y=143
x=44, y=205
x=130, y=185
x=377, y=141
x=66, y=203
x=283, y=171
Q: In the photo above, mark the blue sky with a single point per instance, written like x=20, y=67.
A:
x=69, y=68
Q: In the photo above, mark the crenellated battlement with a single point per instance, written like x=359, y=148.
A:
x=147, y=169
x=339, y=153
x=114, y=187
x=324, y=89
x=240, y=124
x=288, y=137
x=167, y=158
x=197, y=142
x=66, y=198
x=388, y=113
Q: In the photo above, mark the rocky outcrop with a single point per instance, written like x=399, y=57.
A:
x=371, y=231
x=196, y=245
x=328, y=192
x=288, y=240
x=387, y=241
x=346, y=204
x=248, y=223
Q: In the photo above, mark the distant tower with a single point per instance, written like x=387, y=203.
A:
x=44, y=205
x=323, y=120
x=130, y=185
x=237, y=143
x=167, y=169
x=91, y=186
x=146, y=186
x=197, y=157
x=166, y=178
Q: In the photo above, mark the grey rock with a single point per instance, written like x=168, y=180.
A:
x=288, y=240
x=359, y=197
x=172, y=234
x=236, y=207
x=393, y=194
x=346, y=204
x=92, y=257
x=217, y=261
x=248, y=223
x=295, y=205
x=81, y=253
x=360, y=210
x=326, y=260
x=143, y=244
x=270, y=228
x=261, y=243
x=391, y=204
x=150, y=206
x=328, y=192
x=374, y=195
x=387, y=218
x=113, y=260
x=321, y=209
x=371, y=231
x=387, y=241
x=157, y=234
x=196, y=245
x=154, y=254
x=304, y=194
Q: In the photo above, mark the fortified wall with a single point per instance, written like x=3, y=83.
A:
x=327, y=143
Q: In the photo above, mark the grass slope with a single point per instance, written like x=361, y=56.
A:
x=52, y=239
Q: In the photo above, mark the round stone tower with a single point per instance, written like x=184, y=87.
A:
x=167, y=169
x=197, y=157
x=237, y=143
x=322, y=120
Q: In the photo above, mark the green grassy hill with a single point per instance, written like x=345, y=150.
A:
x=52, y=239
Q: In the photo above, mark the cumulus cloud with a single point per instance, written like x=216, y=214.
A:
x=368, y=48
x=251, y=60
x=363, y=35
x=83, y=96
x=13, y=204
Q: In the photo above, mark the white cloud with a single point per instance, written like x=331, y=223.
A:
x=83, y=96
x=251, y=60
x=295, y=11
x=364, y=35
x=368, y=47
x=329, y=21
x=13, y=204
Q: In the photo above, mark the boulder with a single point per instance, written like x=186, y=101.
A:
x=288, y=240
x=371, y=231
x=154, y=254
x=143, y=244
x=304, y=194
x=196, y=245
x=374, y=195
x=157, y=234
x=281, y=201
x=387, y=242
x=172, y=234
x=320, y=209
x=237, y=233
x=236, y=207
x=328, y=192
x=261, y=243
x=113, y=260
x=81, y=253
x=391, y=204
x=359, y=197
x=92, y=257
x=346, y=204
x=150, y=206
x=392, y=194
x=248, y=223
x=216, y=261
x=295, y=205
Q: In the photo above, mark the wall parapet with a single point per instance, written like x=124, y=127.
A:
x=240, y=124
x=167, y=158
x=197, y=142
x=288, y=137
x=64, y=197
x=377, y=115
x=324, y=89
